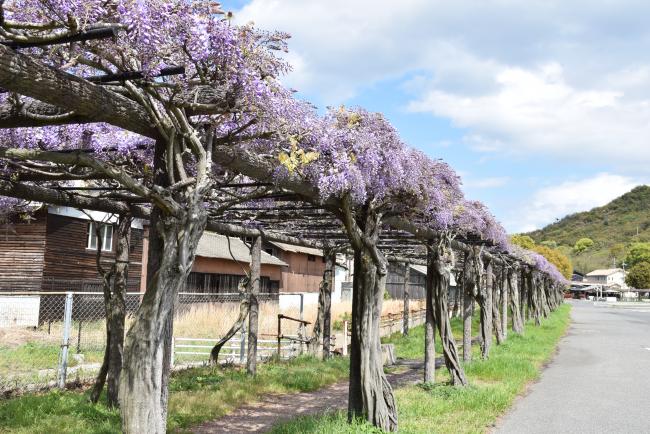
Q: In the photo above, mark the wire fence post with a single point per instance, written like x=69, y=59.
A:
x=65, y=344
x=345, y=338
x=242, y=346
x=171, y=359
x=279, y=336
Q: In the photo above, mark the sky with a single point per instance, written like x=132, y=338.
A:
x=542, y=107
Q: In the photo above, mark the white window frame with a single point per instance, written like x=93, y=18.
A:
x=106, y=232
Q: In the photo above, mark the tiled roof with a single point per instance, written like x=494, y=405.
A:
x=212, y=245
x=297, y=249
x=604, y=272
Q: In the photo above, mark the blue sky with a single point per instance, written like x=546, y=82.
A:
x=542, y=107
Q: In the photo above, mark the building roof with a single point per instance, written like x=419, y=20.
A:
x=422, y=269
x=604, y=272
x=212, y=245
x=419, y=268
x=297, y=249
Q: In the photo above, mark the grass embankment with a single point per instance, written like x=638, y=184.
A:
x=196, y=395
x=442, y=408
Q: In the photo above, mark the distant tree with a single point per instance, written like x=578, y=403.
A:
x=548, y=250
x=617, y=251
x=557, y=258
x=551, y=244
x=639, y=252
x=639, y=275
x=582, y=245
x=523, y=241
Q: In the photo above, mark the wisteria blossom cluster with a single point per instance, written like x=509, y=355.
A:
x=538, y=261
x=223, y=63
x=152, y=35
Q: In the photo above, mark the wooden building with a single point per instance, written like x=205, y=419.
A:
x=56, y=248
x=221, y=262
x=305, y=266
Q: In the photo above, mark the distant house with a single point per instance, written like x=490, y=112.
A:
x=577, y=276
x=305, y=266
x=608, y=277
x=221, y=262
x=55, y=250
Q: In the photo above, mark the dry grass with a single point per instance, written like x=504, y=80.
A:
x=204, y=320
x=215, y=319
x=13, y=337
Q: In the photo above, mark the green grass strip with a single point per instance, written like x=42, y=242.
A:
x=196, y=395
x=442, y=408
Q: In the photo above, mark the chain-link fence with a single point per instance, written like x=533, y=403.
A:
x=52, y=338
x=49, y=339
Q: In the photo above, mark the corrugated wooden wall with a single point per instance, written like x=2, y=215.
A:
x=22, y=247
x=67, y=258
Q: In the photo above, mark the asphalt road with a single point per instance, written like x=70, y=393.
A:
x=599, y=382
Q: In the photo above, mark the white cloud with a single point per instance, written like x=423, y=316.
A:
x=478, y=64
x=538, y=111
x=554, y=202
x=347, y=45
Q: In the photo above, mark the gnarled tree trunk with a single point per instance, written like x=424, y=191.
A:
x=484, y=299
x=429, y=331
x=496, y=302
x=439, y=265
x=468, y=282
x=142, y=392
x=115, y=308
x=503, y=289
x=517, y=323
x=244, y=291
x=523, y=300
x=254, y=306
x=533, y=296
x=321, y=334
x=370, y=395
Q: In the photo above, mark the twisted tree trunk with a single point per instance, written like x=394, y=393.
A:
x=321, y=334
x=244, y=291
x=142, y=382
x=485, y=303
x=523, y=300
x=254, y=307
x=429, y=331
x=517, y=323
x=439, y=265
x=370, y=395
x=546, y=302
x=115, y=308
x=503, y=289
x=468, y=307
x=533, y=294
x=496, y=302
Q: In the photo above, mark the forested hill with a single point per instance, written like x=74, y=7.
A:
x=612, y=228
